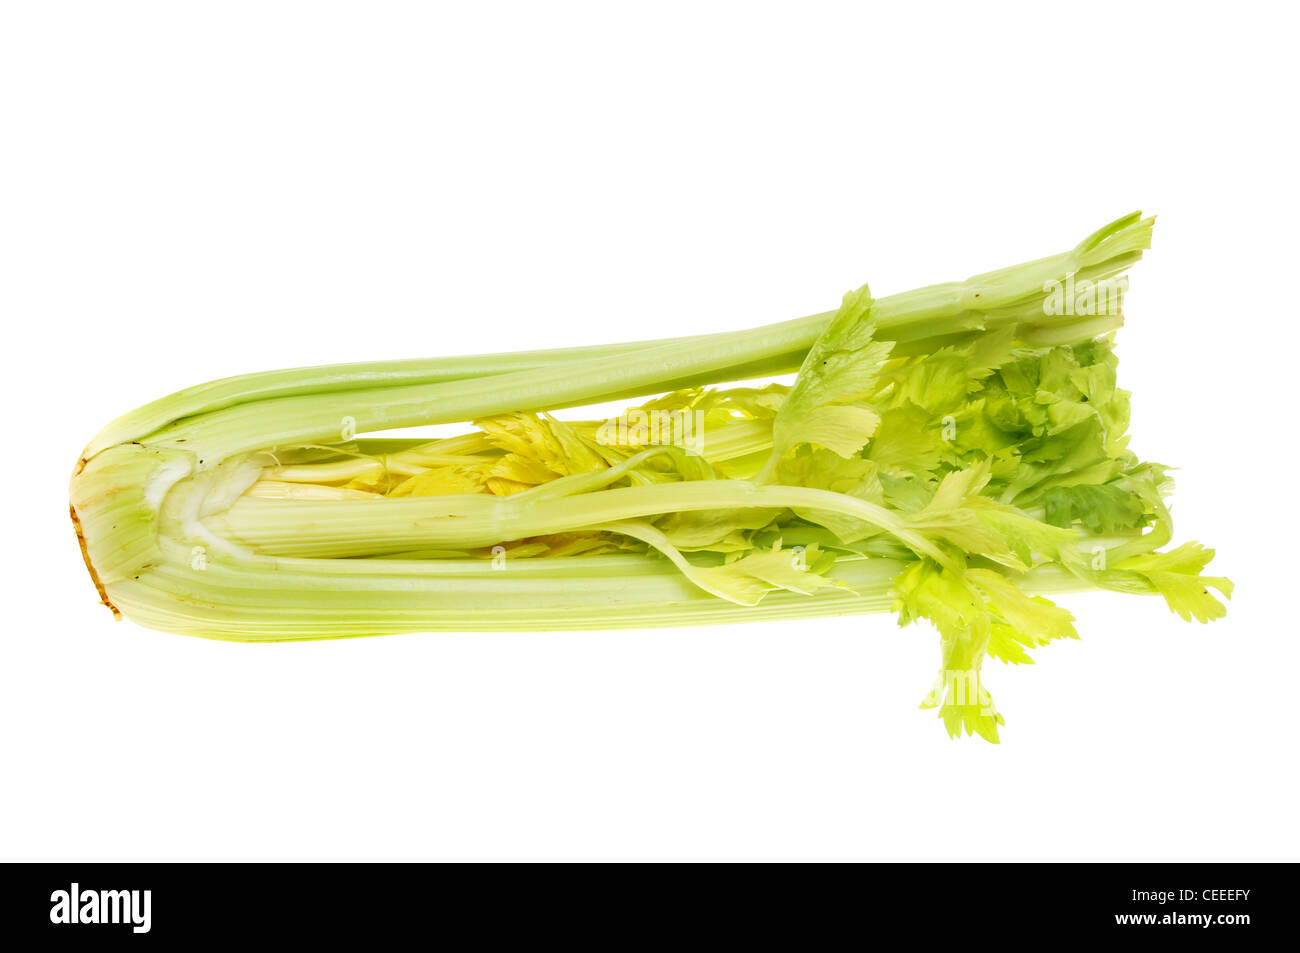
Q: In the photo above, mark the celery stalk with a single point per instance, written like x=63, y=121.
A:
x=953, y=453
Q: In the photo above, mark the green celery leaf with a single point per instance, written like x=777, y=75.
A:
x=1176, y=575
x=827, y=406
x=1105, y=508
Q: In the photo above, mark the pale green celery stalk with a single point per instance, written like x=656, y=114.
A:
x=314, y=599
x=736, y=439
x=299, y=381
x=1013, y=295
x=285, y=411
x=397, y=457
x=182, y=454
x=287, y=421
x=351, y=528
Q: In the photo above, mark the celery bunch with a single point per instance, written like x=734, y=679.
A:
x=953, y=454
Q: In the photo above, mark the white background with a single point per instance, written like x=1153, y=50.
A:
x=196, y=190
